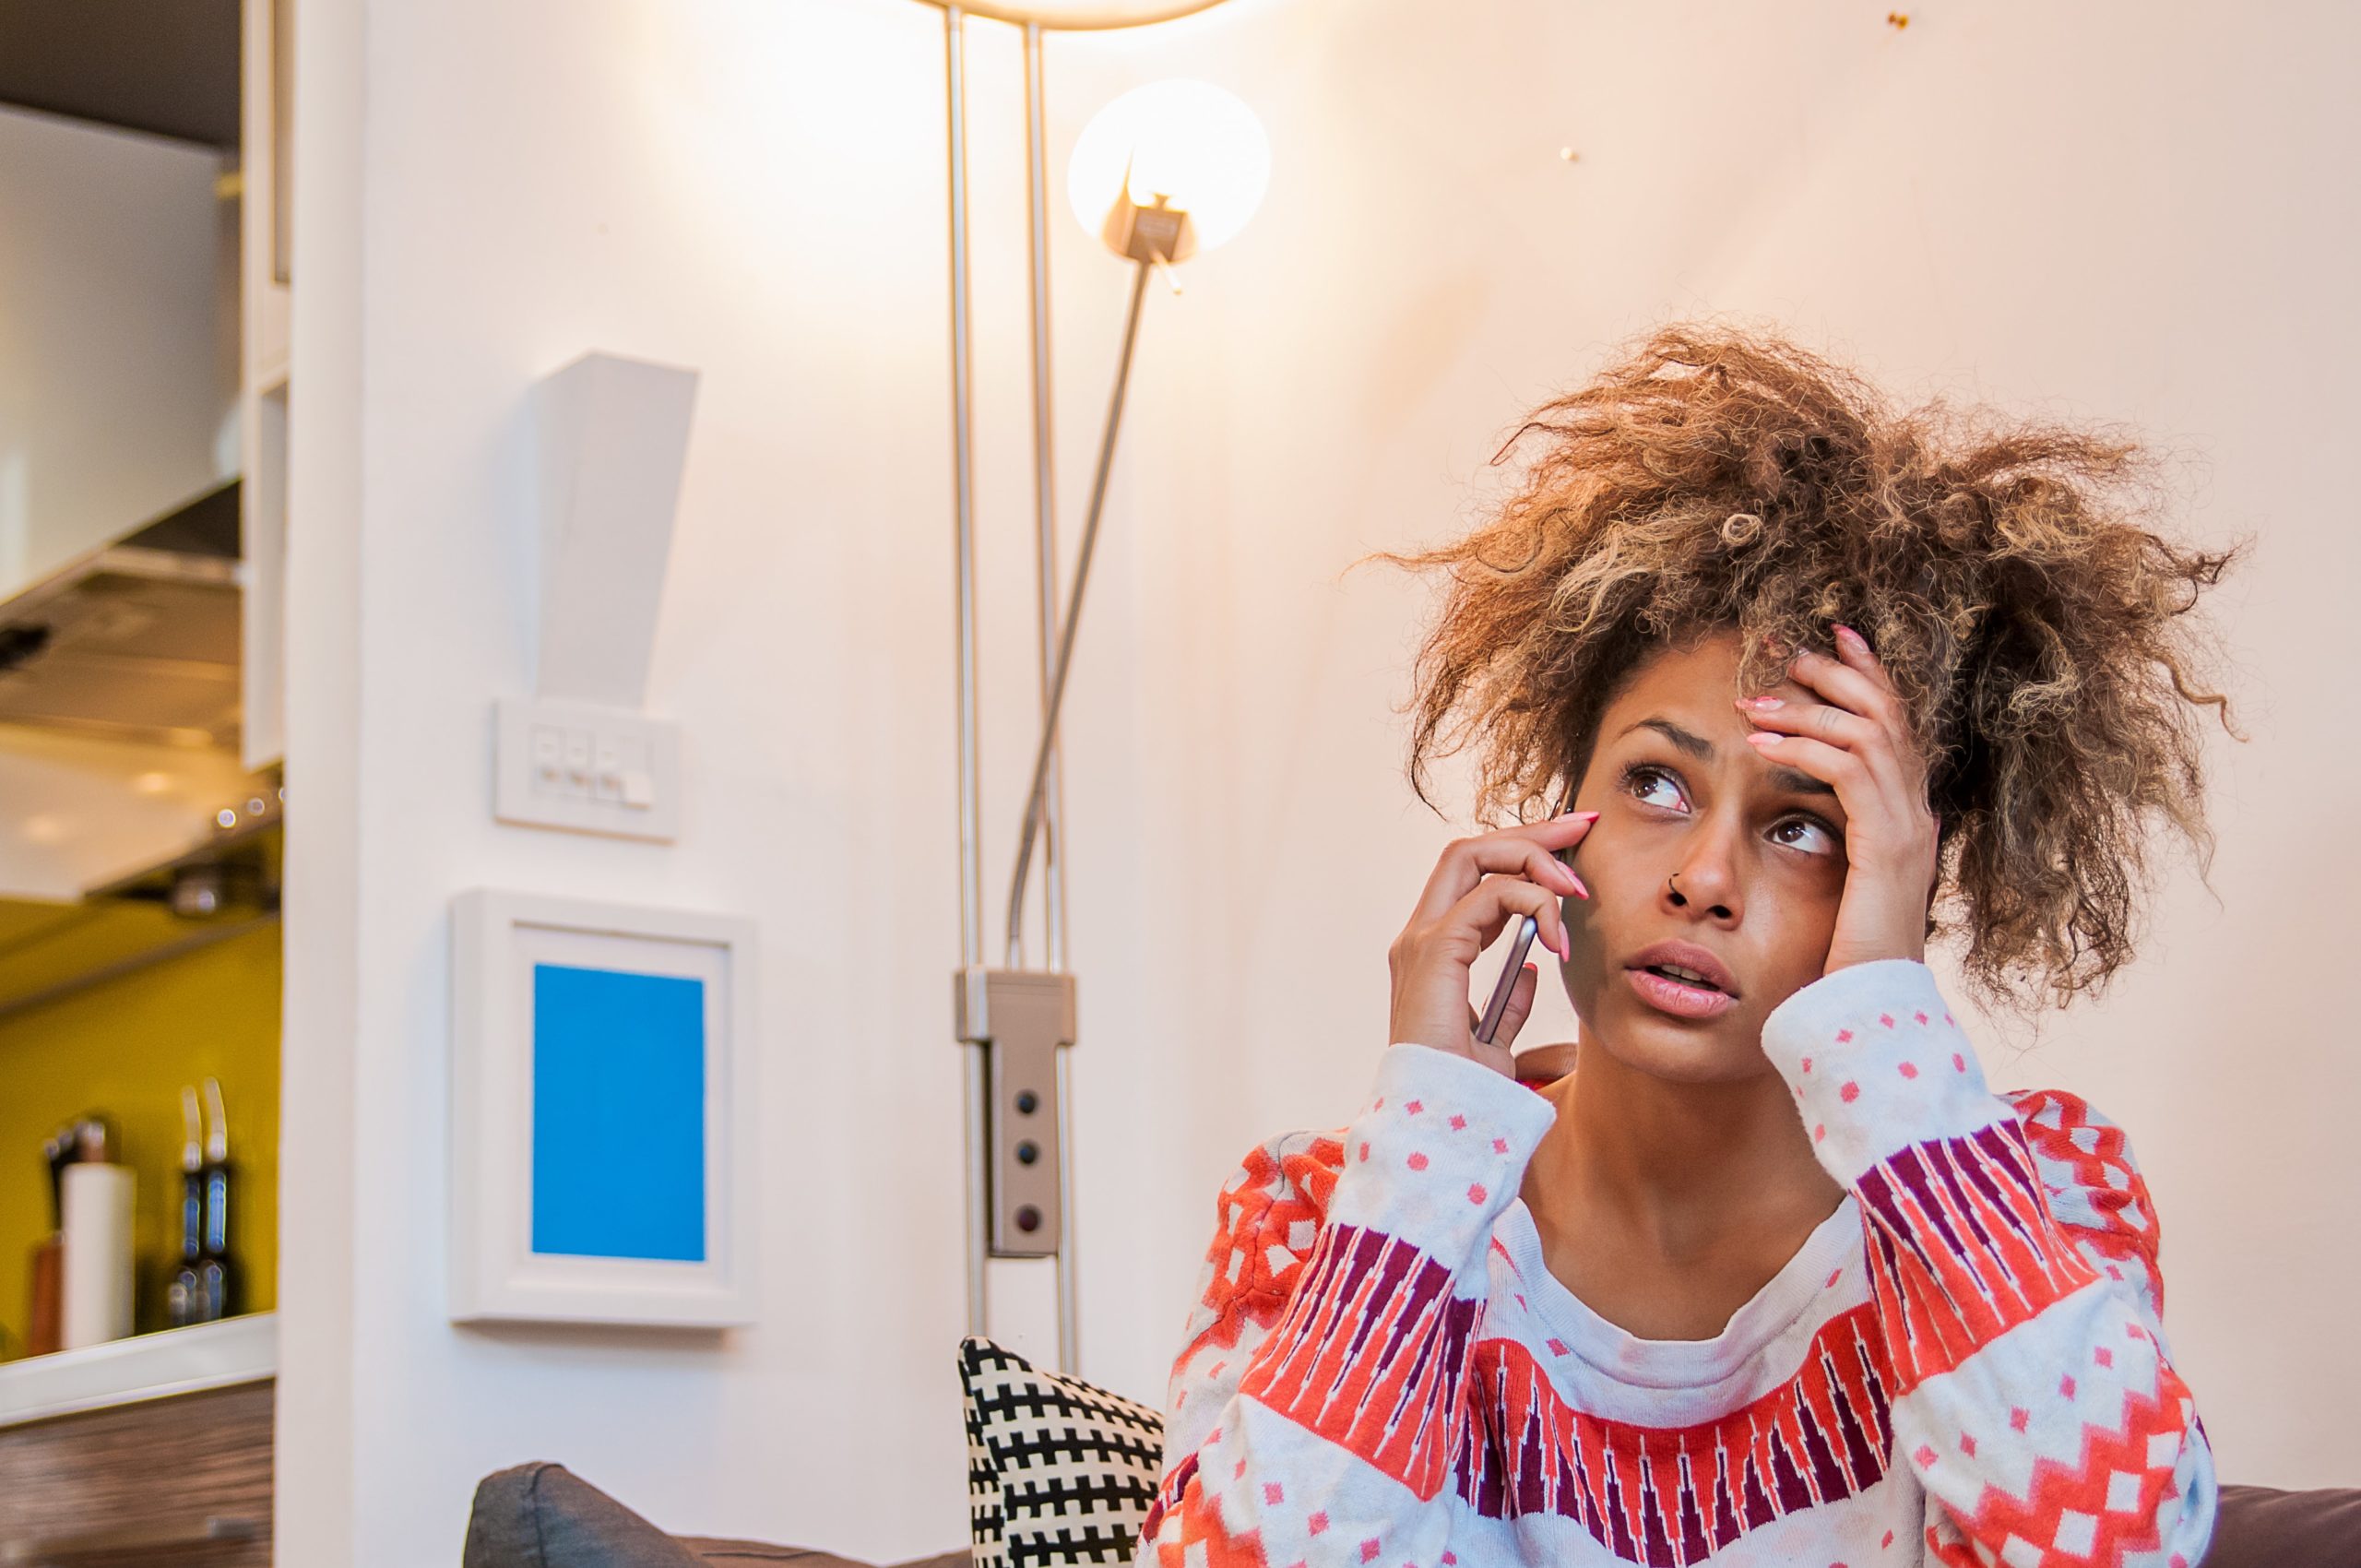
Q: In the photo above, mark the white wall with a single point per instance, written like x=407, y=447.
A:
x=2121, y=211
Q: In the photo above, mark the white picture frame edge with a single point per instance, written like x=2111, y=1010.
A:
x=494, y=1274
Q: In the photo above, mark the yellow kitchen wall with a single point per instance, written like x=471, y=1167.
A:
x=125, y=1047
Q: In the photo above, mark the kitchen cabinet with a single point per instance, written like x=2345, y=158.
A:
x=118, y=403
x=155, y=1450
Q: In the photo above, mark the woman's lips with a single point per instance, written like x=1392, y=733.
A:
x=1681, y=1000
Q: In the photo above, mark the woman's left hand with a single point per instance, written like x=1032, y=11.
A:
x=1855, y=740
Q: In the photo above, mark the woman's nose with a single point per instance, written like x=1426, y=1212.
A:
x=1705, y=884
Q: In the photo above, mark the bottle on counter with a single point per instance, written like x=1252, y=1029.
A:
x=184, y=1297
x=216, y=1269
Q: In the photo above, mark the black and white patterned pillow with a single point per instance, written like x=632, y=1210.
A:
x=1059, y=1471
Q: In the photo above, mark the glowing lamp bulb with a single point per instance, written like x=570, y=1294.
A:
x=1187, y=146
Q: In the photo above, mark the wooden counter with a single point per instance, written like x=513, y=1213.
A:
x=151, y=1451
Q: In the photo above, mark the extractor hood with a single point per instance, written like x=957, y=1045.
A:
x=131, y=830
x=119, y=706
x=137, y=640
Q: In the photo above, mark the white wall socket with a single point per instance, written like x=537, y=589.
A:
x=587, y=769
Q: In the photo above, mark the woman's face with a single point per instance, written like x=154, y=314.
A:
x=1700, y=841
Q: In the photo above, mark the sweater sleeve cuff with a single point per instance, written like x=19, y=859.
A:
x=1439, y=1151
x=1876, y=1062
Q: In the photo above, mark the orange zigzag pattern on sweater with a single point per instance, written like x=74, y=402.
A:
x=1251, y=1263
x=1200, y=1522
x=2078, y=1511
x=2109, y=1210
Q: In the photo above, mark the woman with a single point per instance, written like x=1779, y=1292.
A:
x=1772, y=1277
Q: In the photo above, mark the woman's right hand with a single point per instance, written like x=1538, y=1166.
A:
x=1478, y=886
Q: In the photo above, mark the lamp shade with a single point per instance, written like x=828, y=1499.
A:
x=1186, y=145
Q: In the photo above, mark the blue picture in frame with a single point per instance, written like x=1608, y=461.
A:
x=604, y=1103
x=618, y=1114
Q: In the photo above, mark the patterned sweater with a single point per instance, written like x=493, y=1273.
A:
x=1962, y=1365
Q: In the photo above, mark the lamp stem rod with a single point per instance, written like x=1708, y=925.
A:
x=1073, y=606
x=963, y=464
x=1053, y=871
x=1036, y=203
x=971, y=894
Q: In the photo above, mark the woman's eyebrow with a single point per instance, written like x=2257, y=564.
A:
x=1794, y=781
x=1688, y=741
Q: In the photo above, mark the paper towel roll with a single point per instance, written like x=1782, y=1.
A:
x=97, y=1305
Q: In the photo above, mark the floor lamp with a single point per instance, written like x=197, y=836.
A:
x=1161, y=174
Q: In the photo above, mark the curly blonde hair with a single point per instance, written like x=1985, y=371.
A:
x=2037, y=629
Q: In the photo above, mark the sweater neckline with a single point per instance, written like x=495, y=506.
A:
x=1626, y=1357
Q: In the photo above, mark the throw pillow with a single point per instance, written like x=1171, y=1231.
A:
x=1059, y=1471
x=546, y=1517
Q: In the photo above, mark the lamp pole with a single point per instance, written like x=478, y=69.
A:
x=972, y=893
x=1015, y=1024
x=1051, y=783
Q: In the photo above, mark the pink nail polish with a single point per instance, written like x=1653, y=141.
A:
x=1578, y=885
x=1850, y=635
x=1764, y=738
x=1763, y=703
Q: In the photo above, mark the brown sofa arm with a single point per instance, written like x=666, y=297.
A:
x=2261, y=1526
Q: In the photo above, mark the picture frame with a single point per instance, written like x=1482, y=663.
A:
x=603, y=1097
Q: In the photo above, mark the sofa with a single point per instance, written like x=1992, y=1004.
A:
x=545, y=1516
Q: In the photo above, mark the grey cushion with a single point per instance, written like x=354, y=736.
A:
x=2261, y=1526
x=546, y=1517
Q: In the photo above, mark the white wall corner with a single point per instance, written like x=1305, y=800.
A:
x=613, y=435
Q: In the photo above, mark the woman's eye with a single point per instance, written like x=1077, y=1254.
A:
x=1808, y=836
x=1657, y=788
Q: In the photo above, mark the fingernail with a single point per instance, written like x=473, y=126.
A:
x=1583, y=816
x=1531, y=969
x=1850, y=635
x=1761, y=704
x=1764, y=738
x=1578, y=885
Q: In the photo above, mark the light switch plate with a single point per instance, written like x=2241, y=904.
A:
x=587, y=769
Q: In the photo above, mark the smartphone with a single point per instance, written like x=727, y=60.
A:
x=1526, y=929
